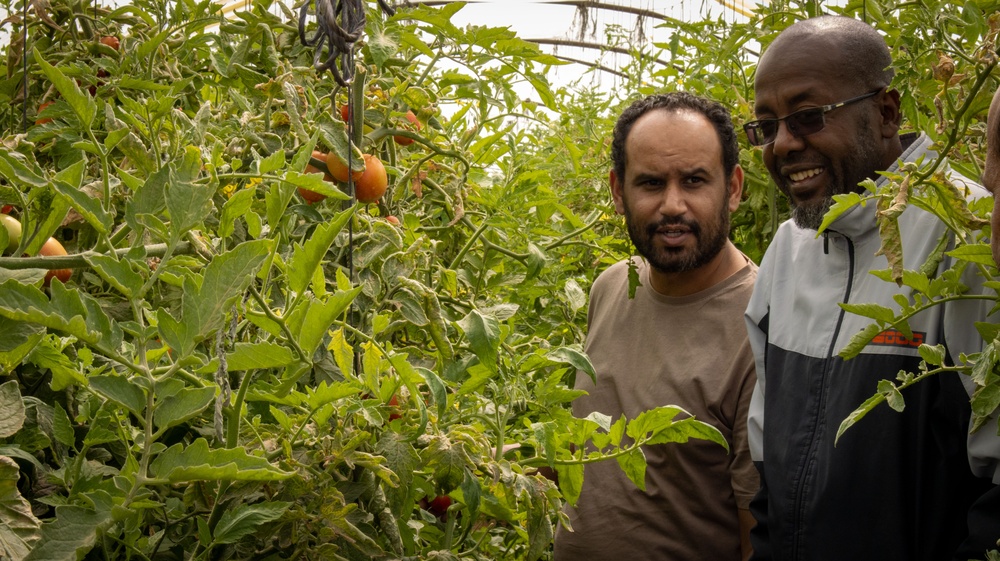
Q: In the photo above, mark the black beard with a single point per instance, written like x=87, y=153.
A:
x=673, y=260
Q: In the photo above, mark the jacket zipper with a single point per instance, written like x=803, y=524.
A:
x=800, y=499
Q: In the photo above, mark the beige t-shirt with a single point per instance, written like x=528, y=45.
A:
x=657, y=350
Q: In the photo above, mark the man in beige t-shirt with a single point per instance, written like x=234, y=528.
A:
x=680, y=341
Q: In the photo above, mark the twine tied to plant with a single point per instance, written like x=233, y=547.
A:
x=341, y=24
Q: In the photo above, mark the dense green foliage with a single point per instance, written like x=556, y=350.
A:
x=232, y=372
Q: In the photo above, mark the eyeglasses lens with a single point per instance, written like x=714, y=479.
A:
x=801, y=123
x=805, y=122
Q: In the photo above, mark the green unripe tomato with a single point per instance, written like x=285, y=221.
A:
x=13, y=228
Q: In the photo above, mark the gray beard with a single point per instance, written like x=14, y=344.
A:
x=811, y=216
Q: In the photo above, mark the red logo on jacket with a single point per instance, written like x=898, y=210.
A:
x=894, y=338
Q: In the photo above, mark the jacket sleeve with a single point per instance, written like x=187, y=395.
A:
x=984, y=527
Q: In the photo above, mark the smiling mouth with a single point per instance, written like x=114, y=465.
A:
x=804, y=174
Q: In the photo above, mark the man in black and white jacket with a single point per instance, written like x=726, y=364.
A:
x=897, y=486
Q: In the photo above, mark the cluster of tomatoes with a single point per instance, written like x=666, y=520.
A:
x=51, y=247
x=371, y=182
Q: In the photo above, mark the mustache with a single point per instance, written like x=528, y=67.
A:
x=668, y=221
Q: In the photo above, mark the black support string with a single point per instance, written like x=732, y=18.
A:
x=341, y=23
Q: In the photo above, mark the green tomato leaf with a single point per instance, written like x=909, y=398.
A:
x=253, y=356
x=328, y=393
x=120, y=390
x=343, y=353
x=17, y=339
x=19, y=529
x=73, y=532
x=976, y=253
x=184, y=405
x=17, y=171
x=148, y=199
x=314, y=320
x=483, y=333
x=11, y=409
x=204, y=308
x=570, y=481
x=243, y=520
x=62, y=427
x=574, y=358
x=634, y=466
x=83, y=105
x=271, y=163
x=932, y=355
x=305, y=259
x=117, y=273
x=237, y=205
x=188, y=202
x=196, y=462
x=65, y=372
x=986, y=399
x=873, y=311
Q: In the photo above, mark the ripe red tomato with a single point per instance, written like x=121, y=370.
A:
x=345, y=113
x=52, y=247
x=438, y=506
x=406, y=141
x=111, y=41
x=394, y=412
x=41, y=108
x=392, y=220
x=372, y=184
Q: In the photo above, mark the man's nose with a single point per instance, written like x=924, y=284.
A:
x=786, y=142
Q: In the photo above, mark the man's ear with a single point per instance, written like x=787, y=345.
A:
x=616, y=192
x=735, y=188
x=890, y=113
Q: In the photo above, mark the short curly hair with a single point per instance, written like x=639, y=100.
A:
x=715, y=112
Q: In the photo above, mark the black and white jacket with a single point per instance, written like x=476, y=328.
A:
x=908, y=486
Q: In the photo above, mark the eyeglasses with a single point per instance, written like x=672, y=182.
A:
x=800, y=123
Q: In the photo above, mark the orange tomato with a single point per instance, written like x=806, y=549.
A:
x=111, y=41
x=52, y=247
x=41, y=108
x=403, y=140
x=312, y=196
x=372, y=184
x=338, y=169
